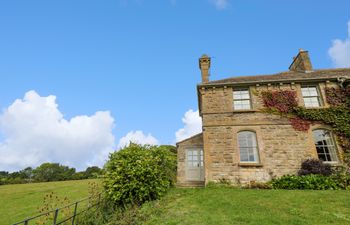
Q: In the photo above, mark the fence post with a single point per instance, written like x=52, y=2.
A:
x=75, y=212
x=55, y=217
x=26, y=222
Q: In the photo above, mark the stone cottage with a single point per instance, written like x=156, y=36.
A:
x=240, y=142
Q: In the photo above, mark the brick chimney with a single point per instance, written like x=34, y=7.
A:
x=302, y=62
x=204, y=66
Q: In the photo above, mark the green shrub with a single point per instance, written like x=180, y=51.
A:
x=311, y=181
x=315, y=166
x=341, y=176
x=137, y=174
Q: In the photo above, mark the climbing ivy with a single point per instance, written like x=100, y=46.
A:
x=282, y=101
x=338, y=96
x=337, y=115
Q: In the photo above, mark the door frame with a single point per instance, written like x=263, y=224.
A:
x=200, y=161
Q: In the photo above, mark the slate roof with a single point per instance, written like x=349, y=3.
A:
x=288, y=76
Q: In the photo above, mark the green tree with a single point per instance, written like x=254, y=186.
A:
x=92, y=172
x=53, y=172
x=4, y=174
x=26, y=174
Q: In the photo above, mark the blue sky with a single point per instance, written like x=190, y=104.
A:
x=138, y=59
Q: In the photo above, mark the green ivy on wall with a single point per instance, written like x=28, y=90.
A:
x=337, y=116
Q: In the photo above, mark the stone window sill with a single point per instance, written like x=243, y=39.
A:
x=244, y=110
x=319, y=107
x=334, y=163
x=250, y=164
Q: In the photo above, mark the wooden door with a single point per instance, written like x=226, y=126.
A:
x=194, y=165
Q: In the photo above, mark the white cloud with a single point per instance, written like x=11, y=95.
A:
x=340, y=51
x=220, y=4
x=193, y=125
x=137, y=137
x=35, y=131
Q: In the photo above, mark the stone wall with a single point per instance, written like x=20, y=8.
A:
x=281, y=147
x=193, y=142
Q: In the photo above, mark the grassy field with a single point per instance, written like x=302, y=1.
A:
x=212, y=205
x=238, y=206
x=20, y=201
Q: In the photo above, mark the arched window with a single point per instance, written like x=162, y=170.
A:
x=248, y=147
x=325, y=145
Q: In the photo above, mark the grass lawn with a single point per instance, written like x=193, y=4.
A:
x=221, y=205
x=20, y=201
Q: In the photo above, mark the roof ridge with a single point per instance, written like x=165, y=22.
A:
x=284, y=75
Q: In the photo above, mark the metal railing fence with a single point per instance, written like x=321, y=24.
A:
x=56, y=220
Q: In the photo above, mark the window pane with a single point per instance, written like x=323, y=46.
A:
x=248, y=146
x=241, y=104
x=236, y=95
x=241, y=99
x=241, y=94
x=251, y=158
x=311, y=102
x=325, y=145
x=310, y=96
x=244, y=95
x=309, y=91
x=313, y=91
x=244, y=156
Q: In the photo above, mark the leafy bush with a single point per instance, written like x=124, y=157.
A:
x=137, y=174
x=315, y=166
x=342, y=176
x=312, y=181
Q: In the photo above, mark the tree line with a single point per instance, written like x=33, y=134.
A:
x=47, y=172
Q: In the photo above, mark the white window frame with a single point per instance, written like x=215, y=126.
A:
x=326, y=147
x=239, y=98
x=194, y=159
x=310, y=96
x=250, y=151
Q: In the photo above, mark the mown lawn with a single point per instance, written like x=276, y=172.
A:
x=20, y=201
x=221, y=205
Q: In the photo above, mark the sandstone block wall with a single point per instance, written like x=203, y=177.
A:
x=281, y=147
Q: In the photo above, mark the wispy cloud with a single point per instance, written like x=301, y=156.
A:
x=340, y=51
x=220, y=4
